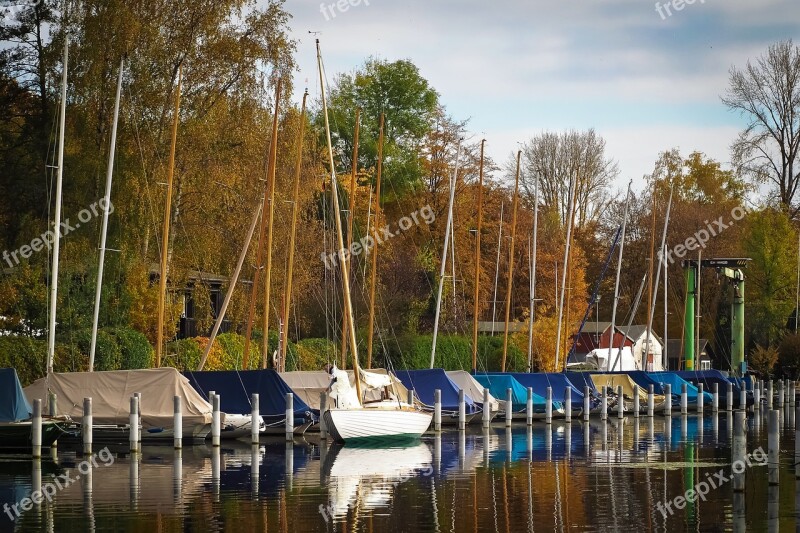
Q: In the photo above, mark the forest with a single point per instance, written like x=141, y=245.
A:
x=229, y=56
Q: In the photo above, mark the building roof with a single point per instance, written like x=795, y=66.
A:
x=595, y=327
x=635, y=332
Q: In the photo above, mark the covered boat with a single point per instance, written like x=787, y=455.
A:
x=709, y=377
x=473, y=389
x=426, y=382
x=614, y=380
x=111, y=392
x=676, y=383
x=15, y=417
x=237, y=387
x=559, y=384
x=498, y=385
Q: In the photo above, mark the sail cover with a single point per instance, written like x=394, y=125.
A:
x=13, y=404
x=309, y=384
x=111, y=396
x=236, y=389
x=425, y=383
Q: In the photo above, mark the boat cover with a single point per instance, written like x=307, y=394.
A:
x=237, y=387
x=498, y=385
x=472, y=388
x=539, y=382
x=111, y=393
x=615, y=380
x=709, y=377
x=425, y=383
x=676, y=382
x=13, y=404
x=309, y=384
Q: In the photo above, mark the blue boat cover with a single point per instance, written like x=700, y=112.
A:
x=13, y=404
x=425, y=383
x=498, y=385
x=709, y=377
x=645, y=379
x=557, y=381
x=580, y=380
x=676, y=382
x=235, y=388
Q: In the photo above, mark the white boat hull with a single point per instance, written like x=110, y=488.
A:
x=376, y=424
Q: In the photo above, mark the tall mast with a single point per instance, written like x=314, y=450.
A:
x=651, y=267
x=664, y=359
x=51, y=330
x=162, y=292
x=262, y=233
x=661, y=257
x=476, y=294
x=533, y=269
x=287, y=299
x=104, y=225
x=566, y=263
x=511, y=262
x=497, y=267
x=443, y=265
x=347, y=261
x=619, y=273
x=348, y=302
x=374, y=251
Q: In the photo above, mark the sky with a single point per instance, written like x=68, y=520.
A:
x=646, y=76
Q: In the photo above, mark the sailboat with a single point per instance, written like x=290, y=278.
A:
x=350, y=418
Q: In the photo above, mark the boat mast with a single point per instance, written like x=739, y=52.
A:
x=262, y=232
x=162, y=292
x=374, y=251
x=51, y=330
x=476, y=294
x=661, y=257
x=566, y=263
x=104, y=225
x=511, y=262
x=497, y=267
x=443, y=265
x=664, y=357
x=348, y=302
x=287, y=299
x=347, y=260
x=619, y=273
x=533, y=269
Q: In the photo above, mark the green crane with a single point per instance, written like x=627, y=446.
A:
x=731, y=269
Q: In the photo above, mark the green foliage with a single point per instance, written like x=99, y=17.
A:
x=454, y=352
x=108, y=355
x=135, y=349
x=27, y=355
x=183, y=354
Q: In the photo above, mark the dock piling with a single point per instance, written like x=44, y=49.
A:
x=651, y=401
x=133, y=436
x=255, y=419
x=86, y=426
x=603, y=404
x=668, y=398
x=36, y=429
x=289, y=416
x=773, y=445
x=700, y=398
x=529, y=408
x=177, y=423
x=138, y=396
x=738, y=451
x=684, y=398
x=568, y=404
x=437, y=410
x=636, y=401
x=548, y=406
x=509, y=406
x=216, y=425
x=715, y=398
x=620, y=403
x=462, y=411
x=729, y=398
x=487, y=409
x=587, y=406
x=53, y=404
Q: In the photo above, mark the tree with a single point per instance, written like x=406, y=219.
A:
x=762, y=359
x=767, y=93
x=789, y=355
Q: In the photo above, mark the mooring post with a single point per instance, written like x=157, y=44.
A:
x=729, y=397
x=255, y=419
x=636, y=401
x=781, y=395
x=603, y=403
x=437, y=410
x=668, y=402
x=53, y=404
x=773, y=445
x=216, y=423
x=620, y=403
x=792, y=399
x=548, y=406
x=587, y=406
x=743, y=399
x=651, y=400
x=289, y=416
x=323, y=406
x=487, y=409
x=684, y=399
x=138, y=396
x=715, y=398
x=700, y=397
x=134, y=425
x=756, y=396
x=568, y=404
x=738, y=451
x=86, y=425
x=770, y=394
x=509, y=406
x=797, y=445
x=36, y=429
x=411, y=397
x=177, y=423
x=529, y=408
x=462, y=410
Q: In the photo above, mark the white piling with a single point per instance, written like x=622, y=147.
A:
x=756, y=397
x=715, y=398
x=738, y=451
x=134, y=425
x=509, y=406
x=620, y=403
x=603, y=404
x=743, y=399
x=636, y=401
x=323, y=406
x=700, y=397
x=587, y=406
x=651, y=401
x=729, y=397
x=487, y=409
x=668, y=402
x=791, y=400
x=770, y=394
x=216, y=425
x=684, y=399
x=781, y=394
x=548, y=406
x=773, y=445
x=87, y=426
x=36, y=429
x=462, y=410
x=53, y=403
x=255, y=419
x=529, y=408
x=411, y=397
x=177, y=423
x=289, y=416
x=568, y=404
x=437, y=410
x=138, y=396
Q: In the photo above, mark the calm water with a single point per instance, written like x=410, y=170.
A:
x=589, y=477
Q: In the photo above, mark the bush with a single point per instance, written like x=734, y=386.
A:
x=135, y=349
x=314, y=354
x=107, y=353
x=183, y=354
x=454, y=352
x=28, y=356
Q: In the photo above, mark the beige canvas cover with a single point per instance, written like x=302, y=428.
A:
x=309, y=384
x=472, y=388
x=111, y=396
x=616, y=380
